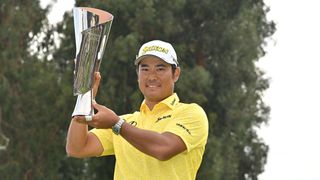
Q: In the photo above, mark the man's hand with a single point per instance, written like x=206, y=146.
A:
x=105, y=118
x=97, y=78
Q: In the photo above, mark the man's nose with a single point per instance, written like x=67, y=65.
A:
x=152, y=75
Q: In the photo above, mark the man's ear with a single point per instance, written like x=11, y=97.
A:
x=176, y=74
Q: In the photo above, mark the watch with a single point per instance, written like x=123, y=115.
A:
x=117, y=127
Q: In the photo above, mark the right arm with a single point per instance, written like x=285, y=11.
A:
x=80, y=142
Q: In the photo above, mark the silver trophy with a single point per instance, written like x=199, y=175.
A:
x=91, y=27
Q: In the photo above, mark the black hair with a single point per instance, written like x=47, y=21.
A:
x=173, y=67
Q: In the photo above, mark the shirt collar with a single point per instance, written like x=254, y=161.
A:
x=170, y=102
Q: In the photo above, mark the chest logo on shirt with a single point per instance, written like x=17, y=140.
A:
x=163, y=117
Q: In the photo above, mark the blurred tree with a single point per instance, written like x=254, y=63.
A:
x=32, y=96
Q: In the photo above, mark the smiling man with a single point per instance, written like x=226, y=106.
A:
x=164, y=140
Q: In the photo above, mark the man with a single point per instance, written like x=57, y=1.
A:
x=164, y=140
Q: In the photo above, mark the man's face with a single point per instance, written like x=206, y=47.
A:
x=156, y=80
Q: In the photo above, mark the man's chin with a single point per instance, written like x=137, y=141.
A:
x=154, y=96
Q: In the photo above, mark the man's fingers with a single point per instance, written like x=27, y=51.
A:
x=97, y=78
x=96, y=106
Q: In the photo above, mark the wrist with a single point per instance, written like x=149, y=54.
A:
x=117, y=127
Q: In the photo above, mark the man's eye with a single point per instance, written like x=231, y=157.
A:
x=161, y=69
x=144, y=69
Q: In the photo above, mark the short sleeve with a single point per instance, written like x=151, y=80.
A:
x=106, y=139
x=191, y=124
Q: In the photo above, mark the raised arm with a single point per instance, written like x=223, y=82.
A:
x=80, y=142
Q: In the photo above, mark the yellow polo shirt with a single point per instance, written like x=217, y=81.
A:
x=188, y=121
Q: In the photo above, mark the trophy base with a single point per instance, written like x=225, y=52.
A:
x=83, y=105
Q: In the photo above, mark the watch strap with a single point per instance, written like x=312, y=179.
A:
x=117, y=127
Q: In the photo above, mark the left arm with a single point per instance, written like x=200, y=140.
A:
x=161, y=146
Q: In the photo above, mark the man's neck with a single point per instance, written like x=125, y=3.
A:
x=151, y=104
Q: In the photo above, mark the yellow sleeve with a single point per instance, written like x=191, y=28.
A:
x=106, y=139
x=191, y=125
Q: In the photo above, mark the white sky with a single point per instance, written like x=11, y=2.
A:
x=294, y=95
x=59, y=7
x=293, y=64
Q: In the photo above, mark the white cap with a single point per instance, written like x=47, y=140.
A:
x=160, y=49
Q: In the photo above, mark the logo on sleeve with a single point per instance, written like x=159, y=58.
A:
x=183, y=127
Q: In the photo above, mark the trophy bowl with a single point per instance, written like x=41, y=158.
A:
x=91, y=27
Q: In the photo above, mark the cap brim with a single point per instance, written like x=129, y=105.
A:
x=137, y=61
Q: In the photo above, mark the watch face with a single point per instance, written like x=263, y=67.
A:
x=116, y=128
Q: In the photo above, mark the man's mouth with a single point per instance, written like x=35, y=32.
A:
x=153, y=86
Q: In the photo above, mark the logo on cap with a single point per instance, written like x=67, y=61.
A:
x=154, y=48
